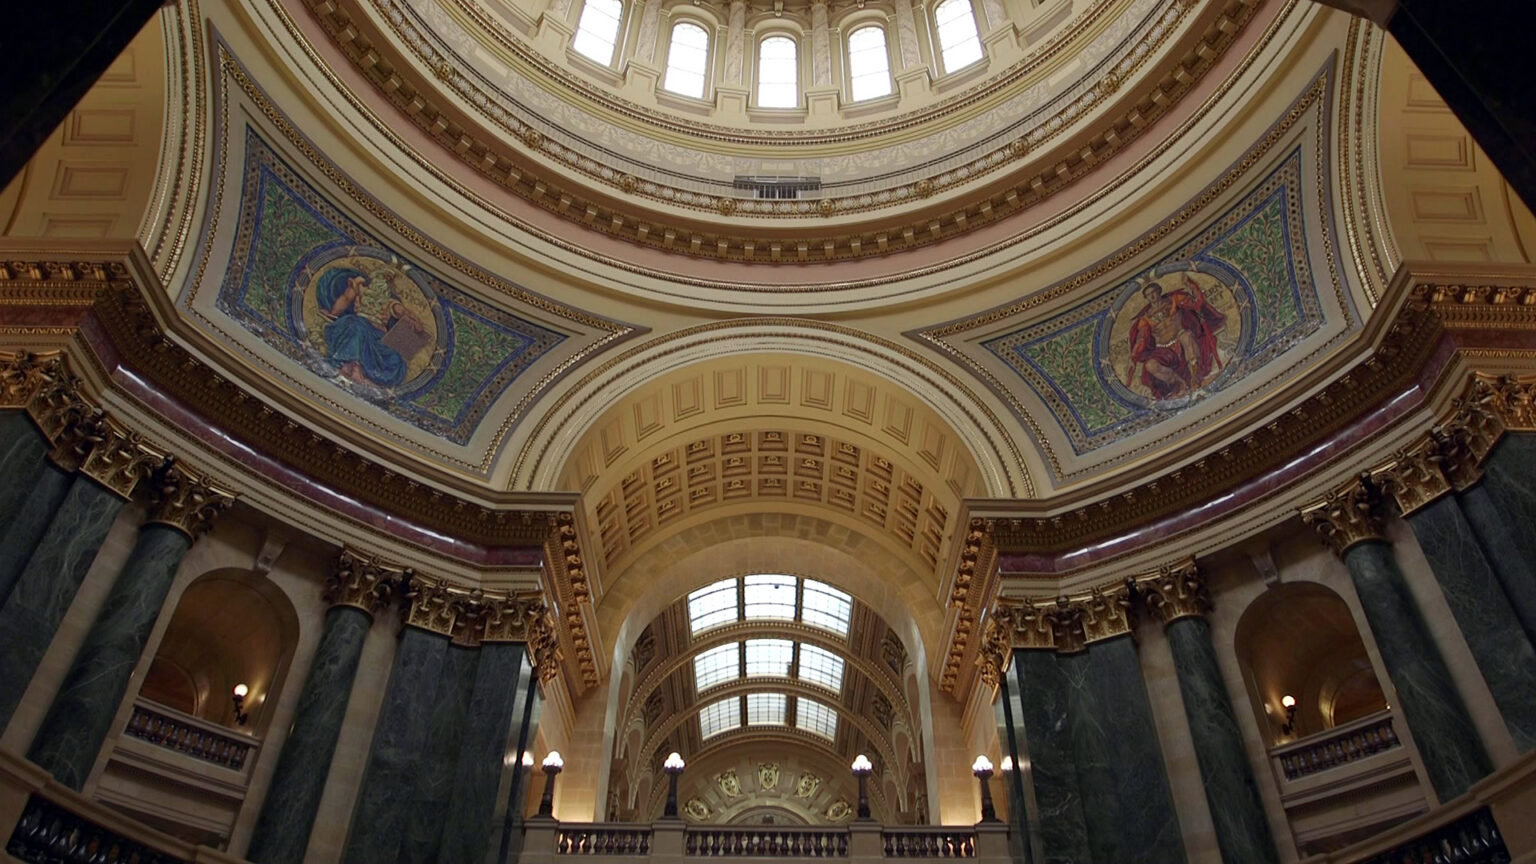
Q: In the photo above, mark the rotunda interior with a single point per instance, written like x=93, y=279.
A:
x=1091, y=431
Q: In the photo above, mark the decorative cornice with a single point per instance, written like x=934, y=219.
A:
x=1176, y=591
x=363, y=581
x=1353, y=513
x=974, y=582
x=186, y=500
x=620, y=205
x=566, y=569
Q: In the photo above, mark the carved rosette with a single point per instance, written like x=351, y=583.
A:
x=1176, y=591
x=363, y=582
x=186, y=500
x=1348, y=515
x=1414, y=478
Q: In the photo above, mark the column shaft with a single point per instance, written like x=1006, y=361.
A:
x=384, y=799
x=1453, y=755
x=511, y=846
x=1127, y=802
x=433, y=784
x=1509, y=476
x=293, y=797
x=1480, y=606
x=1242, y=831
x=22, y=448
x=81, y=716
x=47, y=585
x=1046, y=743
x=48, y=487
x=1500, y=542
x=482, y=755
x=1018, y=813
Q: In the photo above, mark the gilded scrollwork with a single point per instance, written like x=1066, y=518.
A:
x=1351, y=514
x=1176, y=591
x=362, y=581
x=186, y=500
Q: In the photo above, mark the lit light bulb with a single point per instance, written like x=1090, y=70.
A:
x=553, y=760
x=1007, y=763
x=981, y=764
x=1288, y=701
x=862, y=765
x=674, y=762
x=241, y=691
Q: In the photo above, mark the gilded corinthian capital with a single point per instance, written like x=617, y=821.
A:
x=362, y=581
x=1351, y=514
x=996, y=644
x=186, y=500
x=1176, y=591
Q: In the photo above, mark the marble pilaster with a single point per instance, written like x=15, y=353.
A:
x=735, y=42
x=906, y=35
x=440, y=756
x=48, y=582
x=1242, y=831
x=1453, y=755
x=293, y=797
x=387, y=793
x=821, y=45
x=45, y=493
x=1501, y=543
x=1488, y=622
x=481, y=758
x=1046, y=741
x=1116, y=747
x=22, y=448
x=81, y=715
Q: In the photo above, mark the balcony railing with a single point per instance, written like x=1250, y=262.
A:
x=173, y=730
x=1338, y=746
x=766, y=841
x=928, y=842
x=50, y=833
x=579, y=839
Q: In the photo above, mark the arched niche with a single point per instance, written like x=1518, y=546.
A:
x=229, y=627
x=1300, y=639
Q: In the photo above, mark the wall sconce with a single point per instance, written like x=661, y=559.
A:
x=674, y=768
x=1288, y=702
x=552, y=765
x=241, y=691
x=862, y=768
x=982, y=768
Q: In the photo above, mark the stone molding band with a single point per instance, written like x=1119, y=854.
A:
x=1069, y=624
x=1447, y=458
x=86, y=439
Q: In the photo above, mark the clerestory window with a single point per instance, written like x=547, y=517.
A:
x=869, y=66
x=959, y=46
x=598, y=30
x=687, y=60
x=778, y=73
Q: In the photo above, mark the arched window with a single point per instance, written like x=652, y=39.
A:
x=687, y=60
x=869, y=66
x=956, y=25
x=778, y=73
x=598, y=29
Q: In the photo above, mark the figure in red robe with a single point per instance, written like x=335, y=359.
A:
x=1173, y=340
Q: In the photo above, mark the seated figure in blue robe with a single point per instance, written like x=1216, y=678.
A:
x=360, y=313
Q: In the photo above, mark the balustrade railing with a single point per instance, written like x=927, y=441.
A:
x=183, y=733
x=928, y=842
x=766, y=841
x=1472, y=839
x=50, y=834
x=1339, y=746
x=588, y=839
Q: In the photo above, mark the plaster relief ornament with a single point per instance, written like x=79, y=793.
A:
x=697, y=809
x=839, y=810
x=729, y=784
x=807, y=785
x=767, y=775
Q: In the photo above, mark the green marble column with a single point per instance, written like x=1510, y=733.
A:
x=510, y=845
x=499, y=688
x=435, y=775
x=1008, y=709
x=1127, y=803
x=382, y=813
x=1453, y=755
x=1509, y=476
x=22, y=448
x=1499, y=539
x=47, y=584
x=293, y=798
x=82, y=713
x=1242, y=830
x=1488, y=622
x=27, y=525
x=1045, y=740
